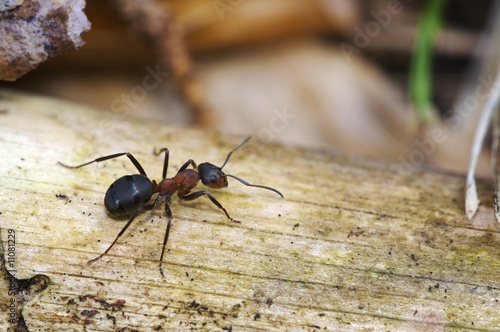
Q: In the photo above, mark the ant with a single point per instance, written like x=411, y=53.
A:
x=130, y=194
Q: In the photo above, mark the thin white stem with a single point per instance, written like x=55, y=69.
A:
x=471, y=198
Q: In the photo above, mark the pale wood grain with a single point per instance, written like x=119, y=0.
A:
x=354, y=245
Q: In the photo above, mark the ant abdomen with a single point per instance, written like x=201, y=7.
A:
x=127, y=194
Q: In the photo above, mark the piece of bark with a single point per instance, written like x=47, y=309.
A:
x=354, y=245
x=36, y=31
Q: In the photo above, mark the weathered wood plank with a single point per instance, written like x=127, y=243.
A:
x=355, y=244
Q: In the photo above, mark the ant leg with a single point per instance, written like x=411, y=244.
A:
x=132, y=217
x=197, y=194
x=186, y=164
x=111, y=156
x=167, y=232
x=165, y=162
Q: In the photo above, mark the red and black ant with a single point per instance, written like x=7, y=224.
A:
x=130, y=194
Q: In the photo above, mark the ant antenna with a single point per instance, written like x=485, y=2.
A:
x=240, y=179
x=254, y=185
x=236, y=148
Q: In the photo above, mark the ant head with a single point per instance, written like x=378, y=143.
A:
x=212, y=176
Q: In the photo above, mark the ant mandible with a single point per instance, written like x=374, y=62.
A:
x=130, y=194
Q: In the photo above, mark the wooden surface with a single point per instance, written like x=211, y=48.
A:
x=355, y=245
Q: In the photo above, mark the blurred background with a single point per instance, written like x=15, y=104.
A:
x=392, y=80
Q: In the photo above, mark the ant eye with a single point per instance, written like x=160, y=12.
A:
x=212, y=178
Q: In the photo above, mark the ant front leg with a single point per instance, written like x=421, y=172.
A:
x=111, y=156
x=186, y=164
x=200, y=193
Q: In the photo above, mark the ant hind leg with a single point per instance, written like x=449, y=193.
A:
x=111, y=156
x=148, y=207
x=132, y=217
